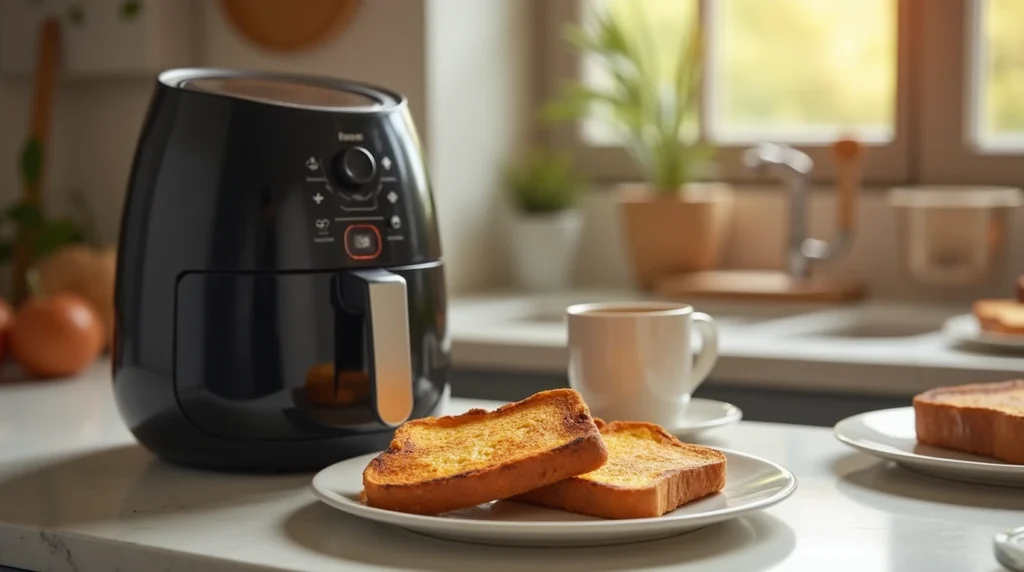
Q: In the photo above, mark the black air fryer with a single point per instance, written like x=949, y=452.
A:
x=280, y=298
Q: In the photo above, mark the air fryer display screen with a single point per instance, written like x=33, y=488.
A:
x=282, y=92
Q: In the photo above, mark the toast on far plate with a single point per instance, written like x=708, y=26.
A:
x=439, y=464
x=1002, y=315
x=999, y=315
x=981, y=418
x=649, y=472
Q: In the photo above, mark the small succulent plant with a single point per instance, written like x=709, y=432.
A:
x=543, y=182
x=649, y=110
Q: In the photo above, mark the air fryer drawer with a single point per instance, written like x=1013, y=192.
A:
x=246, y=345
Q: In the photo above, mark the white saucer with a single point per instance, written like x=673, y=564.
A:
x=965, y=329
x=890, y=434
x=751, y=484
x=704, y=414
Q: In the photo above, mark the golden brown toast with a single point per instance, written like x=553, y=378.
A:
x=981, y=418
x=1004, y=316
x=648, y=473
x=439, y=464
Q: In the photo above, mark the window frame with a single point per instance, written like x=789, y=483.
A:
x=948, y=154
x=935, y=55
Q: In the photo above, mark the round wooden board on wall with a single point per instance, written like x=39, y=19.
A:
x=289, y=26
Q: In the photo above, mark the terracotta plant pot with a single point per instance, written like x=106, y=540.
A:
x=668, y=234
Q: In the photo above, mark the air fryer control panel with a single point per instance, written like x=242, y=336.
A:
x=362, y=201
x=356, y=202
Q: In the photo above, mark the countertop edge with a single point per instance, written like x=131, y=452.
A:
x=32, y=548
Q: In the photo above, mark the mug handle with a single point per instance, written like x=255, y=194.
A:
x=708, y=355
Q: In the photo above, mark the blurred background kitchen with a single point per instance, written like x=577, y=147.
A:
x=590, y=150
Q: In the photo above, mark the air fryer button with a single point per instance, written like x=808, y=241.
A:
x=362, y=242
x=354, y=167
x=349, y=204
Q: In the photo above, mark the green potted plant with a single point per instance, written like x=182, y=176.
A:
x=671, y=222
x=546, y=223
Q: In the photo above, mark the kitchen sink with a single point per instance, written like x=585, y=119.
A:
x=544, y=317
x=726, y=314
x=873, y=322
x=875, y=330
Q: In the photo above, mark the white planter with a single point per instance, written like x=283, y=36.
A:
x=544, y=249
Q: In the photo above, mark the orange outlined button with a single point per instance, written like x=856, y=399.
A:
x=362, y=242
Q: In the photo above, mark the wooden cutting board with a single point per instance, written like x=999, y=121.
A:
x=757, y=285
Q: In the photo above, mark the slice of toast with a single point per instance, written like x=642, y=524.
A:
x=440, y=464
x=981, y=418
x=648, y=473
x=1004, y=316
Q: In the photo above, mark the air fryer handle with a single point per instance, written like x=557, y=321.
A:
x=381, y=297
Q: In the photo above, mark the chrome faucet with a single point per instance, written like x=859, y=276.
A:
x=794, y=168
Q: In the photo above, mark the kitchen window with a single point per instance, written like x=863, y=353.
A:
x=933, y=88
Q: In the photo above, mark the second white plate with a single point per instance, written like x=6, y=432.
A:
x=965, y=329
x=890, y=434
x=751, y=484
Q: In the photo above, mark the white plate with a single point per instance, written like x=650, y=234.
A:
x=965, y=329
x=890, y=434
x=1009, y=547
x=751, y=484
x=705, y=414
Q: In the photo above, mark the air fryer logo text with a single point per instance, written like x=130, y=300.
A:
x=342, y=136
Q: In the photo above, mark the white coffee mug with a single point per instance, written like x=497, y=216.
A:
x=632, y=361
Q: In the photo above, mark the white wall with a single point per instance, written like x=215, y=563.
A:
x=478, y=106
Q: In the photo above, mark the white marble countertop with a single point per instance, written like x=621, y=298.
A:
x=868, y=348
x=77, y=494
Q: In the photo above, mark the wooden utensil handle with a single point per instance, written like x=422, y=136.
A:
x=45, y=77
x=38, y=132
x=847, y=192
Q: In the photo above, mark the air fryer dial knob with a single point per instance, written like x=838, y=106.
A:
x=354, y=167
